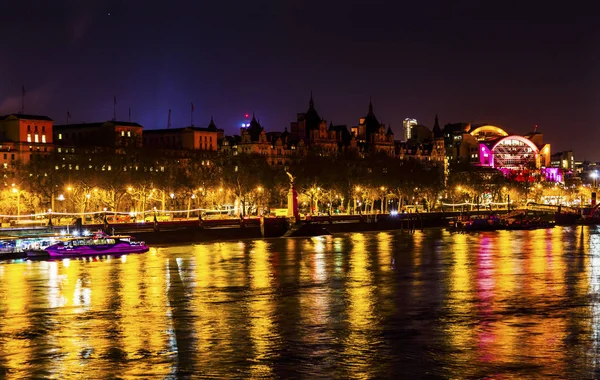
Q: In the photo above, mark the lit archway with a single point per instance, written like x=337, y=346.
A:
x=488, y=132
x=515, y=152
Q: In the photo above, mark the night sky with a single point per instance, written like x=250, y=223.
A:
x=511, y=64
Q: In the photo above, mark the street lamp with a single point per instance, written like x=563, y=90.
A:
x=356, y=200
x=594, y=176
x=16, y=191
x=258, y=211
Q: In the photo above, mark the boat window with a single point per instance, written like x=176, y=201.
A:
x=110, y=241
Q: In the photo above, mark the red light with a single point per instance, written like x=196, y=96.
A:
x=247, y=116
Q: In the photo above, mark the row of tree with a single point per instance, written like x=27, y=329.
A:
x=139, y=180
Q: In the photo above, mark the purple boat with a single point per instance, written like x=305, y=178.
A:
x=98, y=244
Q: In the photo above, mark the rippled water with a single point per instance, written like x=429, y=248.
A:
x=509, y=304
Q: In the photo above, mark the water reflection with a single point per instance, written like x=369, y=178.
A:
x=508, y=304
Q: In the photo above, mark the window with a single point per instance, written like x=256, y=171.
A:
x=36, y=138
x=29, y=137
x=60, y=136
x=128, y=133
x=122, y=133
x=43, y=129
x=35, y=128
x=59, y=150
x=12, y=156
x=44, y=139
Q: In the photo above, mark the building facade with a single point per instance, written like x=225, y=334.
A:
x=110, y=134
x=21, y=138
x=187, y=138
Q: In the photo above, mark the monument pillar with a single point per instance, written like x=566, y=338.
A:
x=293, y=203
x=292, y=210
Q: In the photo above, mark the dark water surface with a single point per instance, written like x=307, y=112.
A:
x=510, y=304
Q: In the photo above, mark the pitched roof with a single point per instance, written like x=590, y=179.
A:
x=99, y=124
x=437, y=131
x=24, y=116
x=255, y=129
x=178, y=130
x=212, y=126
x=371, y=123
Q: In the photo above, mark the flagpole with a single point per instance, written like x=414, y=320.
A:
x=192, y=116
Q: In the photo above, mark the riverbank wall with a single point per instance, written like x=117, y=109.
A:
x=198, y=231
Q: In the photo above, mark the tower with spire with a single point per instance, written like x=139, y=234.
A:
x=307, y=123
x=368, y=126
x=371, y=135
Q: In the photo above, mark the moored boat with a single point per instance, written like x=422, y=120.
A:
x=98, y=244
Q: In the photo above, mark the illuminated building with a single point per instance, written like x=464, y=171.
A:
x=460, y=146
x=563, y=160
x=424, y=145
x=408, y=124
x=22, y=136
x=513, y=153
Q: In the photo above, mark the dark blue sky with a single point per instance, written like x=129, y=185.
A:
x=512, y=64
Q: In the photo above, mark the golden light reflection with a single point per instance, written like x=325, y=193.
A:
x=360, y=298
x=213, y=331
x=460, y=335
x=417, y=251
x=262, y=328
x=13, y=305
x=504, y=297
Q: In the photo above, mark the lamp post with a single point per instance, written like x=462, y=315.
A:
x=193, y=196
x=18, y=192
x=61, y=198
x=594, y=176
x=356, y=200
x=172, y=196
x=258, y=211
x=87, y=199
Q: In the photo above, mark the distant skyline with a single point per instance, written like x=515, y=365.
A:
x=511, y=64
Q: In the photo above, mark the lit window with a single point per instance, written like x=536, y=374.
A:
x=60, y=136
x=128, y=133
x=37, y=138
x=29, y=137
x=43, y=138
x=122, y=133
x=109, y=167
x=59, y=150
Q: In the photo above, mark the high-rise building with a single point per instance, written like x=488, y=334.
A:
x=408, y=124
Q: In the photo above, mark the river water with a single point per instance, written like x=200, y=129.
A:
x=508, y=304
